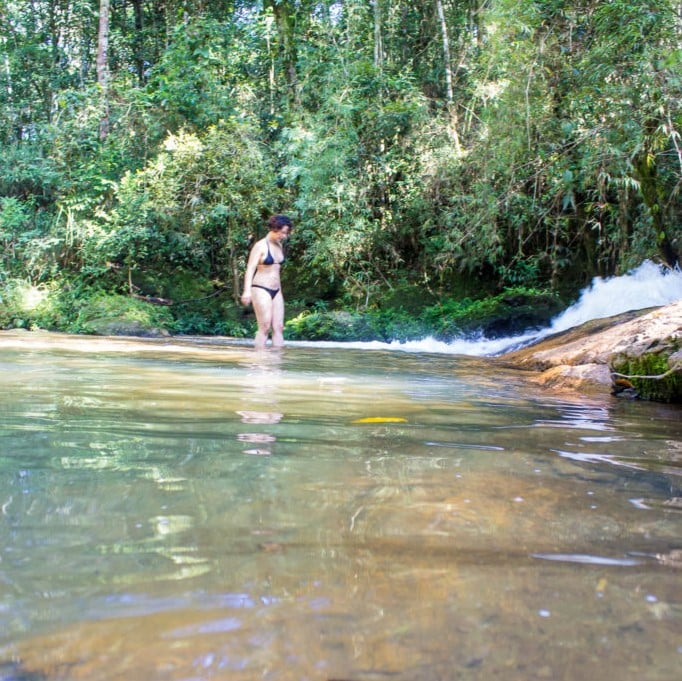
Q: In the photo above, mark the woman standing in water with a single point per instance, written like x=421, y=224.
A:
x=262, y=285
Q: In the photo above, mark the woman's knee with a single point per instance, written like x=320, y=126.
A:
x=264, y=319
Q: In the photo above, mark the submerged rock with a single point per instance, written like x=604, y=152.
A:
x=634, y=354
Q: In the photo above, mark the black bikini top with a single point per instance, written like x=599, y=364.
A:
x=269, y=260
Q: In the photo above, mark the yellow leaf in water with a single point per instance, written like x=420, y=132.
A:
x=601, y=586
x=381, y=419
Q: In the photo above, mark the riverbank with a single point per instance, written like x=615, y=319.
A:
x=410, y=317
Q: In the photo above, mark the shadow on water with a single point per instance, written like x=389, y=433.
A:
x=191, y=509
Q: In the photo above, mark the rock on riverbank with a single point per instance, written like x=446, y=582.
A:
x=637, y=353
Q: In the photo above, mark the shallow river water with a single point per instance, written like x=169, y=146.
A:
x=191, y=509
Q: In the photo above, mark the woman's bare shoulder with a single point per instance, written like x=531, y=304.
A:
x=259, y=248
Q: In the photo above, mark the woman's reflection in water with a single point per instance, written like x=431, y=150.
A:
x=261, y=389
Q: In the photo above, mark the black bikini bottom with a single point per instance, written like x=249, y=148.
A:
x=272, y=291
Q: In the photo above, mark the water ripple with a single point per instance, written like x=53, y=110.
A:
x=587, y=559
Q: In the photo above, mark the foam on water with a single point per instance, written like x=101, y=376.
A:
x=647, y=286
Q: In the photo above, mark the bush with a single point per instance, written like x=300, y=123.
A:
x=111, y=315
x=27, y=306
x=509, y=313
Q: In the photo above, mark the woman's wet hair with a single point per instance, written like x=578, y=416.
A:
x=278, y=222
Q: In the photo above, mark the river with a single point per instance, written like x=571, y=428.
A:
x=189, y=509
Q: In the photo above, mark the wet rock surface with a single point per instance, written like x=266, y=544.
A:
x=634, y=354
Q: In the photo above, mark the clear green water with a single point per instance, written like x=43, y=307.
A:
x=194, y=510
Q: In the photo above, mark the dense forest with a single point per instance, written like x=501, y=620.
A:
x=429, y=152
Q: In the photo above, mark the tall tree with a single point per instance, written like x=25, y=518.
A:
x=378, y=40
x=284, y=12
x=138, y=41
x=447, y=67
x=103, y=66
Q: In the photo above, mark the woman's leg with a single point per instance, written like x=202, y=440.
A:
x=263, y=307
x=277, y=320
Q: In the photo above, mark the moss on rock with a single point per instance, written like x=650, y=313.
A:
x=653, y=375
x=329, y=326
x=117, y=315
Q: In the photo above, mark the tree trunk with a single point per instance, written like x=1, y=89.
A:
x=449, y=89
x=378, y=42
x=103, y=66
x=284, y=18
x=139, y=41
x=654, y=197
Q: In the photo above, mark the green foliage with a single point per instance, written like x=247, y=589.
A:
x=511, y=312
x=27, y=249
x=191, y=209
x=105, y=314
x=545, y=151
x=26, y=305
x=557, y=149
x=193, y=83
x=514, y=311
x=354, y=326
x=351, y=168
x=25, y=171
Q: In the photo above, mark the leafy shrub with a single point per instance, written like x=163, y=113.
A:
x=106, y=314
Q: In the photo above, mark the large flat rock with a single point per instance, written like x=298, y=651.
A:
x=582, y=358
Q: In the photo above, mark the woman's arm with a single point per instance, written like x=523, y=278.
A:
x=255, y=257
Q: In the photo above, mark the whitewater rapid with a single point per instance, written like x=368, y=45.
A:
x=649, y=285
